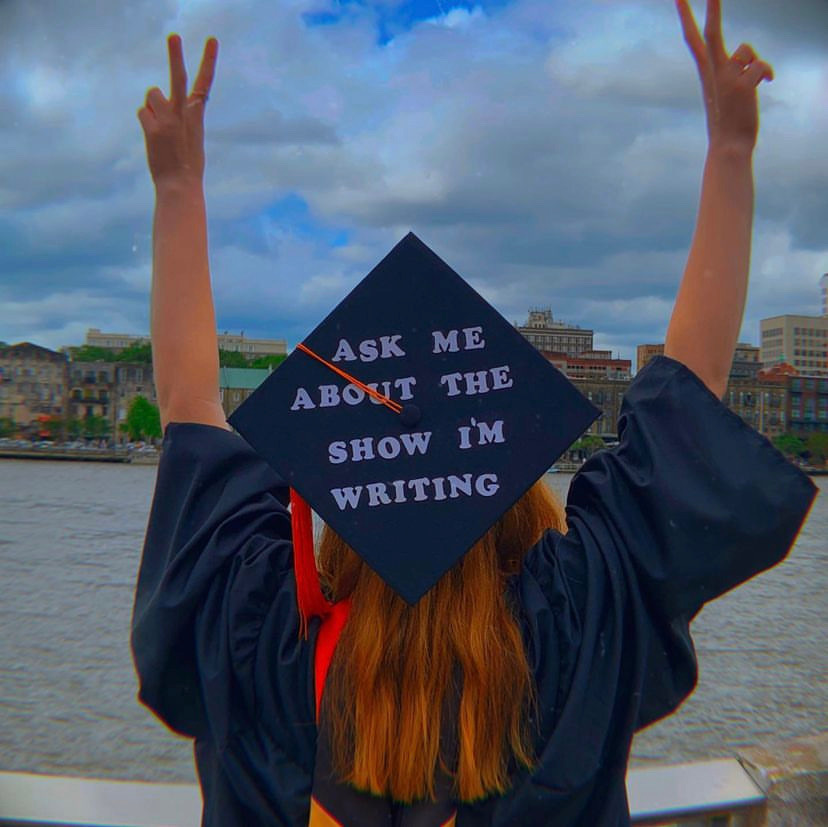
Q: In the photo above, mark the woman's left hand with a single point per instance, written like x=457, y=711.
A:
x=728, y=81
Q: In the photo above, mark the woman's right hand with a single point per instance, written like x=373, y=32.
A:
x=174, y=127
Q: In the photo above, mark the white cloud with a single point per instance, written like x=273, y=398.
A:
x=551, y=154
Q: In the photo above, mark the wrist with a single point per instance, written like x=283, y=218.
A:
x=179, y=187
x=729, y=149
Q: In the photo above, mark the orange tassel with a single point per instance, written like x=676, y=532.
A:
x=309, y=598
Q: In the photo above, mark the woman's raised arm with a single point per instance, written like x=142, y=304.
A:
x=182, y=319
x=708, y=312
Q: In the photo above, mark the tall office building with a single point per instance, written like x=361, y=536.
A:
x=800, y=341
x=546, y=334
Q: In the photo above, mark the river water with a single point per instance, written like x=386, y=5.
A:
x=70, y=539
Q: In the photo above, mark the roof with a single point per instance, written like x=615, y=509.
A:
x=242, y=378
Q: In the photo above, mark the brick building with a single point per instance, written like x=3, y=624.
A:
x=591, y=364
x=807, y=406
x=33, y=382
x=643, y=354
x=606, y=394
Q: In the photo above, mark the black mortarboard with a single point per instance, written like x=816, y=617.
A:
x=476, y=416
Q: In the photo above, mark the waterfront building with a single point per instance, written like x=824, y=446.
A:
x=606, y=394
x=644, y=353
x=801, y=341
x=236, y=384
x=746, y=364
x=761, y=403
x=33, y=383
x=546, y=334
x=591, y=364
x=807, y=407
x=249, y=348
x=91, y=385
x=116, y=342
x=823, y=285
x=107, y=390
x=132, y=379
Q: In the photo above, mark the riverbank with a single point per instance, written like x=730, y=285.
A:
x=81, y=455
x=144, y=457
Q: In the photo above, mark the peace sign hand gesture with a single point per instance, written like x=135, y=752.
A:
x=174, y=127
x=728, y=82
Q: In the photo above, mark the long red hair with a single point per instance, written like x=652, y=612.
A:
x=399, y=669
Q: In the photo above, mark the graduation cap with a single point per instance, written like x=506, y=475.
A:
x=410, y=420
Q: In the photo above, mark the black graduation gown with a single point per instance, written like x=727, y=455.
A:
x=691, y=503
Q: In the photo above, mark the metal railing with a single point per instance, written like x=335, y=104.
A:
x=708, y=794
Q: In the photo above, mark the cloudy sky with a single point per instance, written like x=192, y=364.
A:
x=549, y=150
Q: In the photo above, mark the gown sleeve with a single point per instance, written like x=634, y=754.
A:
x=690, y=503
x=215, y=632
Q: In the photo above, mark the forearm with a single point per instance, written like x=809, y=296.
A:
x=182, y=324
x=707, y=316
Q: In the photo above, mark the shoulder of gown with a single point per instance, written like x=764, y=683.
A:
x=215, y=630
x=691, y=503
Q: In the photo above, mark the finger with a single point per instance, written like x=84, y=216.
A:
x=178, y=72
x=206, y=71
x=155, y=100
x=744, y=54
x=692, y=36
x=713, y=32
x=146, y=118
x=757, y=72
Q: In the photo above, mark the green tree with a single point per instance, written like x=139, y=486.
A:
x=91, y=353
x=273, y=360
x=139, y=352
x=587, y=445
x=143, y=420
x=817, y=446
x=232, y=359
x=54, y=427
x=96, y=427
x=74, y=428
x=789, y=444
x=7, y=426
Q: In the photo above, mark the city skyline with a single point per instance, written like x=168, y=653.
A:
x=95, y=336
x=551, y=155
